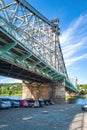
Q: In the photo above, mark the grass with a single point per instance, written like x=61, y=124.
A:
x=68, y=96
x=10, y=95
x=80, y=96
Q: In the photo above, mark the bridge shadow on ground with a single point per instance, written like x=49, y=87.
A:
x=56, y=117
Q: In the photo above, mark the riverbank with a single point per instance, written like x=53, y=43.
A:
x=76, y=100
x=80, y=96
x=55, y=117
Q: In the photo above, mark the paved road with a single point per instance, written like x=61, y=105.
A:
x=56, y=117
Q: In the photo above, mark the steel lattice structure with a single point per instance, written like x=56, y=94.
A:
x=34, y=41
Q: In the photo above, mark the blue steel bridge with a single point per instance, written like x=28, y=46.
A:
x=29, y=45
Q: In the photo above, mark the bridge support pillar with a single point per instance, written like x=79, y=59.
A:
x=35, y=90
x=53, y=91
x=58, y=95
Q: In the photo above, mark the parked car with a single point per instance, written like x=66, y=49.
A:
x=84, y=108
x=15, y=103
x=47, y=102
x=51, y=102
x=30, y=102
x=5, y=103
x=41, y=102
x=33, y=103
x=36, y=103
x=23, y=103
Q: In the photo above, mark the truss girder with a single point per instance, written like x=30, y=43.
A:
x=32, y=40
x=24, y=58
x=35, y=30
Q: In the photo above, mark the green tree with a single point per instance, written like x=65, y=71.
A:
x=0, y=90
x=84, y=86
x=11, y=89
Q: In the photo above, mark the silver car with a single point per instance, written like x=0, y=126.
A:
x=5, y=103
x=15, y=103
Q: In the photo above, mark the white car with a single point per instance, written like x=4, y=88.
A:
x=5, y=103
x=36, y=103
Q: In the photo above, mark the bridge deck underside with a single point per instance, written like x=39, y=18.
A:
x=11, y=70
x=7, y=69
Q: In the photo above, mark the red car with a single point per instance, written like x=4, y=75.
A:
x=23, y=103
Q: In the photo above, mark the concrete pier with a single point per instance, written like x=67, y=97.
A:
x=53, y=91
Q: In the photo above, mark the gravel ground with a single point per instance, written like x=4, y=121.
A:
x=55, y=117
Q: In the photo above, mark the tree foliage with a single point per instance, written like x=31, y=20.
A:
x=84, y=86
x=11, y=89
x=83, y=89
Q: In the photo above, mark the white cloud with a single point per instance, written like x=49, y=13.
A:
x=70, y=49
x=71, y=61
x=77, y=26
x=74, y=40
x=9, y=80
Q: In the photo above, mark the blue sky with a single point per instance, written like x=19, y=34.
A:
x=73, y=38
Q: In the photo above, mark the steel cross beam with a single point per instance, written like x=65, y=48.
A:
x=34, y=11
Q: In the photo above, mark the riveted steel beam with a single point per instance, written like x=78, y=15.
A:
x=24, y=57
x=58, y=79
x=48, y=71
x=35, y=63
x=34, y=11
x=53, y=74
x=42, y=68
x=8, y=5
x=56, y=76
x=2, y=40
x=9, y=46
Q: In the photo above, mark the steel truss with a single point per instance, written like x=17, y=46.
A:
x=34, y=33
